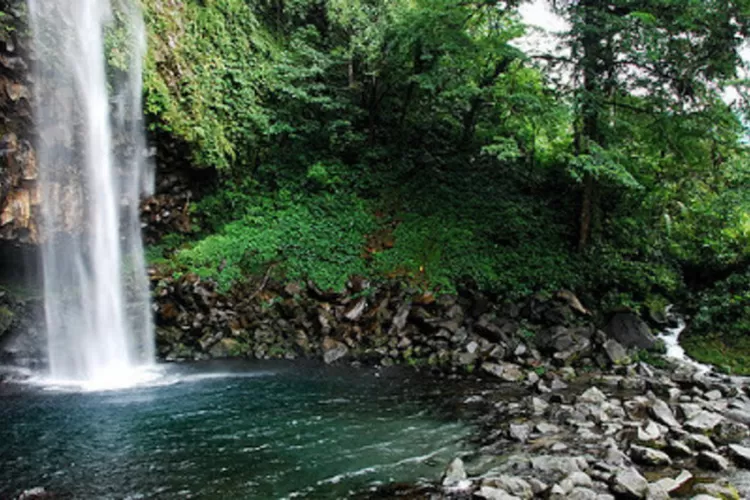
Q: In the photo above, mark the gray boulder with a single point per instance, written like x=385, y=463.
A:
x=630, y=331
x=740, y=454
x=630, y=484
x=649, y=456
x=713, y=461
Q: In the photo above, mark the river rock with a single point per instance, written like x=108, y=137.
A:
x=649, y=456
x=712, y=461
x=509, y=372
x=700, y=442
x=738, y=415
x=720, y=489
x=630, y=484
x=677, y=448
x=650, y=433
x=592, y=395
x=663, y=413
x=514, y=485
x=558, y=466
x=705, y=421
x=582, y=494
x=616, y=353
x=519, y=432
x=740, y=454
x=729, y=431
x=490, y=493
x=688, y=410
x=669, y=485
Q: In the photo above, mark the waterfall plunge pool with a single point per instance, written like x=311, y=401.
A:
x=232, y=430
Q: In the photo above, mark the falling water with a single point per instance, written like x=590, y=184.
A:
x=92, y=170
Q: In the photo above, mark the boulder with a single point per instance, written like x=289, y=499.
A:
x=558, y=466
x=669, y=485
x=631, y=331
x=663, y=413
x=740, y=454
x=616, y=352
x=592, y=395
x=519, y=432
x=705, y=421
x=713, y=461
x=490, y=493
x=630, y=484
x=649, y=456
x=506, y=371
x=514, y=485
x=333, y=350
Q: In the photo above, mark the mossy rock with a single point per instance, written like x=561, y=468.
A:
x=6, y=320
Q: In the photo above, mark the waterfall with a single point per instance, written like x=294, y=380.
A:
x=93, y=170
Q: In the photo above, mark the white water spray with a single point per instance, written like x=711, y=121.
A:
x=92, y=171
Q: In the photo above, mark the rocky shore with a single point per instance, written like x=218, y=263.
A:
x=636, y=433
x=595, y=422
x=389, y=324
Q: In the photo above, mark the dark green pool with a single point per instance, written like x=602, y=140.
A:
x=230, y=431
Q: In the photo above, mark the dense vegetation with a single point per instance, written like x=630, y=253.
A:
x=412, y=139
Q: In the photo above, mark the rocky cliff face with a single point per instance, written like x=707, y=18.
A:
x=19, y=191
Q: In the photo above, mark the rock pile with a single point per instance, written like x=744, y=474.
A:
x=387, y=324
x=675, y=438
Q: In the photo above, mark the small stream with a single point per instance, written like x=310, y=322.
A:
x=671, y=338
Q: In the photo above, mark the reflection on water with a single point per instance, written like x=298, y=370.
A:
x=228, y=431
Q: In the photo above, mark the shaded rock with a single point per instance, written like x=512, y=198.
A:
x=729, y=431
x=225, y=348
x=679, y=449
x=738, y=415
x=700, y=442
x=740, y=454
x=712, y=461
x=630, y=331
x=630, y=484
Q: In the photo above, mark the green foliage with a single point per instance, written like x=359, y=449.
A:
x=207, y=64
x=412, y=139
x=319, y=238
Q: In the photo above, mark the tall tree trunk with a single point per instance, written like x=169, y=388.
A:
x=593, y=62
